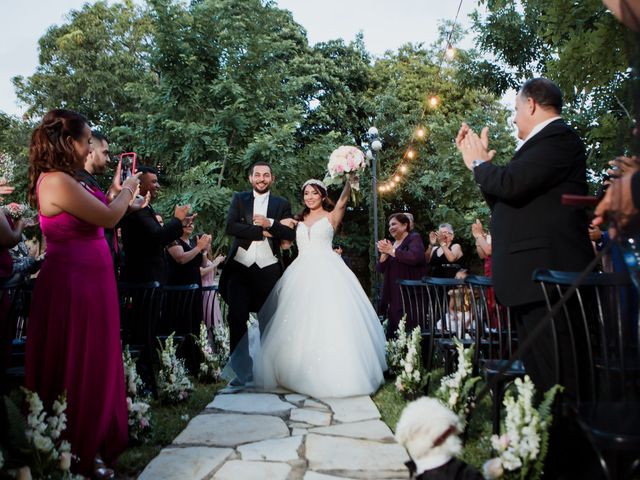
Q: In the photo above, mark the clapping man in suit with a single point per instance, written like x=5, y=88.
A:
x=530, y=226
x=255, y=262
x=143, y=237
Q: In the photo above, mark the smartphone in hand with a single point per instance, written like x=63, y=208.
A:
x=127, y=165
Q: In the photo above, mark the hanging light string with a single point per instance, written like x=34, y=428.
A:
x=420, y=133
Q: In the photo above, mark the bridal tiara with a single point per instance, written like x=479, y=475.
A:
x=313, y=181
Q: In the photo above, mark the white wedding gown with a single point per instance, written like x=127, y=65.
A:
x=322, y=335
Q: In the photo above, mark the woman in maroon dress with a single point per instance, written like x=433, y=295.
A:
x=73, y=336
x=401, y=260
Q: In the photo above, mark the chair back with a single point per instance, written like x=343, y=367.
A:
x=495, y=338
x=140, y=305
x=595, y=335
x=182, y=310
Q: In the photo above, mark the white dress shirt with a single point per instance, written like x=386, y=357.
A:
x=537, y=129
x=259, y=252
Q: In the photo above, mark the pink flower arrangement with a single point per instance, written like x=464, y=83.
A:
x=346, y=159
x=18, y=210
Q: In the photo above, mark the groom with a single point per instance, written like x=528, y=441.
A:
x=254, y=264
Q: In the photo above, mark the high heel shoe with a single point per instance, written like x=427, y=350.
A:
x=101, y=471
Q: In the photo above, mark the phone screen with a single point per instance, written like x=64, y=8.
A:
x=127, y=165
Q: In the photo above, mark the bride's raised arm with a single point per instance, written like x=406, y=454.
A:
x=341, y=205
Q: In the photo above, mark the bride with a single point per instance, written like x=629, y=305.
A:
x=321, y=335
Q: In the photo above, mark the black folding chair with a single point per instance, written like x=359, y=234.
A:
x=15, y=302
x=181, y=314
x=415, y=304
x=495, y=342
x=596, y=356
x=450, y=313
x=140, y=305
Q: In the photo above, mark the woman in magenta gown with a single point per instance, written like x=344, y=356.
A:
x=73, y=336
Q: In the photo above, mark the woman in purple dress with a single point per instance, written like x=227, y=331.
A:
x=73, y=336
x=402, y=259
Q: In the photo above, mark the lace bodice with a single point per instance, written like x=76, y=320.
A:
x=316, y=238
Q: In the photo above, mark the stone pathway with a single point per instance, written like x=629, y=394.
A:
x=282, y=436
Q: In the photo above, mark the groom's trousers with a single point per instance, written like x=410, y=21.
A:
x=247, y=290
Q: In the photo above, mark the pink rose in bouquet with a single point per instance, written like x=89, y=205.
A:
x=345, y=163
x=18, y=210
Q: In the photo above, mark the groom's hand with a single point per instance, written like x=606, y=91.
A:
x=261, y=221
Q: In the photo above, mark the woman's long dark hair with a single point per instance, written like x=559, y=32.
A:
x=327, y=203
x=52, y=146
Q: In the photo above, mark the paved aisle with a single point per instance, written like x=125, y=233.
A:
x=282, y=436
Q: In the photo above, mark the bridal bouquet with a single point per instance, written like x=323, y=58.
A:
x=138, y=409
x=173, y=383
x=18, y=210
x=345, y=163
x=523, y=447
x=456, y=391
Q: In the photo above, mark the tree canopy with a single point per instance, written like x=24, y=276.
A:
x=202, y=89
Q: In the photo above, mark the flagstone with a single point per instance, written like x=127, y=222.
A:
x=298, y=431
x=194, y=463
x=279, y=450
x=352, y=409
x=315, y=404
x=236, y=469
x=295, y=397
x=312, y=417
x=370, y=430
x=310, y=475
x=251, y=403
x=231, y=429
x=355, y=458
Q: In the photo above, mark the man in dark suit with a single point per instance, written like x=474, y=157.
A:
x=529, y=225
x=532, y=229
x=144, y=239
x=255, y=263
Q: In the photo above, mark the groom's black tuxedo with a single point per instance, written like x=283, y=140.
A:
x=245, y=289
x=240, y=222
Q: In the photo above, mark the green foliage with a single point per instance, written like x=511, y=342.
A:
x=90, y=62
x=579, y=45
x=438, y=187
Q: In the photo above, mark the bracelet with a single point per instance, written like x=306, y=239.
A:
x=127, y=187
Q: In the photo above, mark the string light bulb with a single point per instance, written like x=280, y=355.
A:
x=397, y=178
x=433, y=101
x=411, y=154
x=420, y=132
x=392, y=184
x=450, y=52
x=381, y=188
x=403, y=168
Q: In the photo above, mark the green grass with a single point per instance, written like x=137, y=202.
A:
x=167, y=423
x=477, y=446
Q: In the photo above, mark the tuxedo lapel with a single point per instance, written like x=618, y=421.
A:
x=272, y=207
x=248, y=208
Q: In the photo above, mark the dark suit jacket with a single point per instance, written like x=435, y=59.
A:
x=143, y=242
x=530, y=228
x=240, y=222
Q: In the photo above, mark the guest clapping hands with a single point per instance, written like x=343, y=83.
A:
x=401, y=259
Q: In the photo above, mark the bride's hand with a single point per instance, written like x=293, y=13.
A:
x=266, y=234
